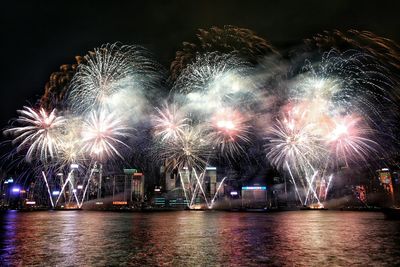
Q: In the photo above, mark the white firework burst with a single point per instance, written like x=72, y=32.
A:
x=103, y=134
x=169, y=123
x=345, y=83
x=39, y=133
x=189, y=150
x=229, y=131
x=294, y=141
x=110, y=74
x=213, y=80
x=349, y=142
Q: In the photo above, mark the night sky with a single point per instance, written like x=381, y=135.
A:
x=38, y=36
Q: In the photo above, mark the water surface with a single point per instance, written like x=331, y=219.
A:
x=196, y=238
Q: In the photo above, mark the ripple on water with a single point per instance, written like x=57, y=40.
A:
x=304, y=238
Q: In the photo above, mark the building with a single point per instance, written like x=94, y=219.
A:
x=254, y=196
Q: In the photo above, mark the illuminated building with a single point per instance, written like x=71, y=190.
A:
x=254, y=196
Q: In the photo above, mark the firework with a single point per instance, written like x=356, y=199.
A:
x=169, y=123
x=319, y=132
x=337, y=109
x=349, y=140
x=342, y=83
x=109, y=75
x=293, y=140
x=229, y=131
x=227, y=39
x=103, y=134
x=384, y=50
x=190, y=150
x=39, y=133
x=70, y=149
x=213, y=80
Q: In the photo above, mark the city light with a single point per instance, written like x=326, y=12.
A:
x=15, y=190
x=254, y=188
x=222, y=114
x=120, y=203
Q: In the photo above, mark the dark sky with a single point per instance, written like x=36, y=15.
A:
x=38, y=36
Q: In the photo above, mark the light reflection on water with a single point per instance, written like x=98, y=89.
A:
x=184, y=238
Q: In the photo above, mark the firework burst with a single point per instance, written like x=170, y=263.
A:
x=110, y=74
x=39, y=134
x=229, y=132
x=169, y=123
x=294, y=141
x=345, y=83
x=213, y=80
x=103, y=134
x=348, y=140
x=70, y=150
x=189, y=150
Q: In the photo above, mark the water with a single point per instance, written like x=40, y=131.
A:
x=195, y=238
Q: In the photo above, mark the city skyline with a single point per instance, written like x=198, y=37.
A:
x=200, y=133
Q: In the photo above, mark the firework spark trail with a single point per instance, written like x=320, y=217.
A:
x=48, y=189
x=200, y=183
x=39, y=133
x=348, y=82
x=68, y=181
x=74, y=191
x=229, y=131
x=109, y=71
x=63, y=187
x=87, y=186
x=327, y=187
x=194, y=194
x=322, y=123
x=169, y=123
x=102, y=134
x=184, y=189
x=311, y=188
x=294, y=182
x=216, y=192
x=190, y=150
x=70, y=149
x=337, y=112
x=349, y=141
x=213, y=80
x=293, y=142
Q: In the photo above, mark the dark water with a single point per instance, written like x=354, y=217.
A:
x=184, y=238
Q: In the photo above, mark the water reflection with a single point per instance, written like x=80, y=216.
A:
x=74, y=238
